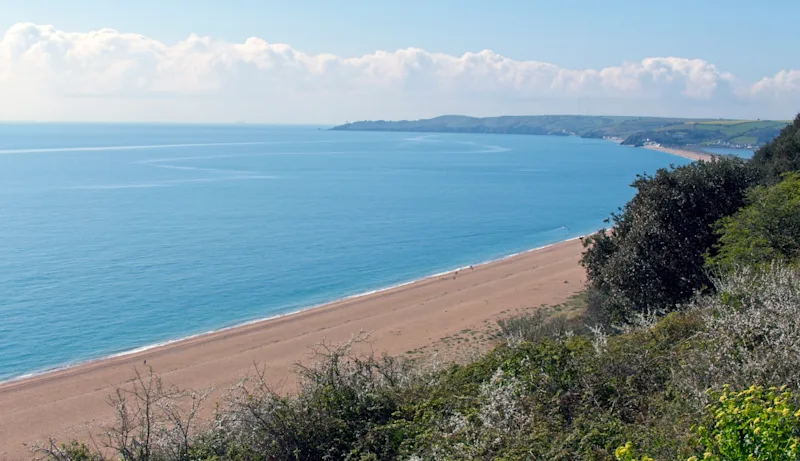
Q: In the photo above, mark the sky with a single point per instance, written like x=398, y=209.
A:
x=328, y=62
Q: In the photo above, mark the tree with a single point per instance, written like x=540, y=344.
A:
x=767, y=229
x=781, y=155
x=653, y=258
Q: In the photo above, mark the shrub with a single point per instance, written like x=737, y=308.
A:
x=653, y=258
x=756, y=423
x=340, y=410
x=753, y=424
x=628, y=453
x=559, y=397
x=548, y=322
x=154, y=421
x=767, y=229
x=751, y=334
x=779, y=156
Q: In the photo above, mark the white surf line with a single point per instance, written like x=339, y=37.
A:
x=148, y=146
x=287, y=311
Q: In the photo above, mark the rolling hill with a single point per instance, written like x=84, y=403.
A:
x=675, y=132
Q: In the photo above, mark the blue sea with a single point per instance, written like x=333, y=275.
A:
x=743, y=153
x=117, y=237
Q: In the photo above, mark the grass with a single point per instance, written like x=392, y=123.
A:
x=721, y=122
x=744, y=140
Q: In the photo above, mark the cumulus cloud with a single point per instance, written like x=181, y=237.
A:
x=46, y=73
x=783, y=84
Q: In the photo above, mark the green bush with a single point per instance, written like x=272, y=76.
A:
x=779, y=156
x=560, y=396
x=766, y=230
x=653, y=258
x=755, y=423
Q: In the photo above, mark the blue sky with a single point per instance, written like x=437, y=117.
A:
x=750, y=40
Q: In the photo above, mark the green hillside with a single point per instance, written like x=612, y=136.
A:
x=631, y=130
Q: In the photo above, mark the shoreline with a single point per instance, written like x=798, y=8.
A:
x=142, y=349
x=690, y=154
x=685, y=153
x=416, y=315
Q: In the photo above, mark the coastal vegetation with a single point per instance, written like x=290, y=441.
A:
x=685, y=346
x=674, y=132
x=653, y=258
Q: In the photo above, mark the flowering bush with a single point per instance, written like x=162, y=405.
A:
x=627, y=453
x=755, y=423
x=751, y=334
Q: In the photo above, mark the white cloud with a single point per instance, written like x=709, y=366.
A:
x=783, y=84
x=46, y=73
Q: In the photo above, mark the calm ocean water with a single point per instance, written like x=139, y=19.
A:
x=115, y=237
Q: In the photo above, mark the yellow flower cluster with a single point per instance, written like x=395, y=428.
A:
x=626, y=453
x=754, y=424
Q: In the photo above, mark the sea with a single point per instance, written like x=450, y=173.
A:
x=118, y=237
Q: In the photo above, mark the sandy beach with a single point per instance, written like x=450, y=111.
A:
x=72, y=402
x=682, y=153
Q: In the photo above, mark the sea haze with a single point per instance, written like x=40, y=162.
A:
x=116, y=237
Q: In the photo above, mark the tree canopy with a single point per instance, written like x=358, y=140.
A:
x=653, y=258
x=767, y=229
x=781, y=155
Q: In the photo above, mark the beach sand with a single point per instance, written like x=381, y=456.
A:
x=682, y=153
x=72, y=402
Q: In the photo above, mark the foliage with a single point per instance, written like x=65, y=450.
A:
x=566, y=397
x=781, y=155
x=546, y=322
x=653, y=258
x=154, y=421
x=74, y=451
x=628, y=453
x=751, y=333
x=767, y=229
x=756, y=423
x=547, y=393
x=344, y=401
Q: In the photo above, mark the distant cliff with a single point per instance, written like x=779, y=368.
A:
x=630, y=130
